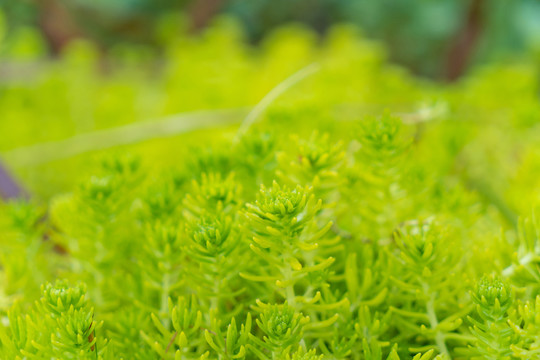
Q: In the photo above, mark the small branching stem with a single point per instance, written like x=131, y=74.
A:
x=171, y=342
x=289, y=290
x=434, y=322
x=214, y=301
x=165, y=297
x=216, y=289
x=290, y=296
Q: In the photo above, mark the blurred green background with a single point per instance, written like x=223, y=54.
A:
x=80, y=78
x=435, y=38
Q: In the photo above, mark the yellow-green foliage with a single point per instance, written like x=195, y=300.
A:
x=363, y=214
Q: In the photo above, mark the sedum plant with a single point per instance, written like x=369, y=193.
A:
x=61, y=325
x=195, y=266
x=199, y=264
x=322, y=227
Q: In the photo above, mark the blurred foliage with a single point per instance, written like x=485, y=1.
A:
x=82, y=92
x=384, y=199
x=419, y=34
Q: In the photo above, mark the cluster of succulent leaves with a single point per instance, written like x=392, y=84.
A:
x=331, y=228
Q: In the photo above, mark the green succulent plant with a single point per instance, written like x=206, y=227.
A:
x=357, y=213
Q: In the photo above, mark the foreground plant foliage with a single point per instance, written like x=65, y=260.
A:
x=324, y=231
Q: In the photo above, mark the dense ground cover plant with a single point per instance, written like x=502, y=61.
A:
x=330, y=228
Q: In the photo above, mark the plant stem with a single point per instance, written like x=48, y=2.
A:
x=291, y=298
x=289, y=290
x=165, y=298
x=273, y=95
x=439, y=336
x=214, y=300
